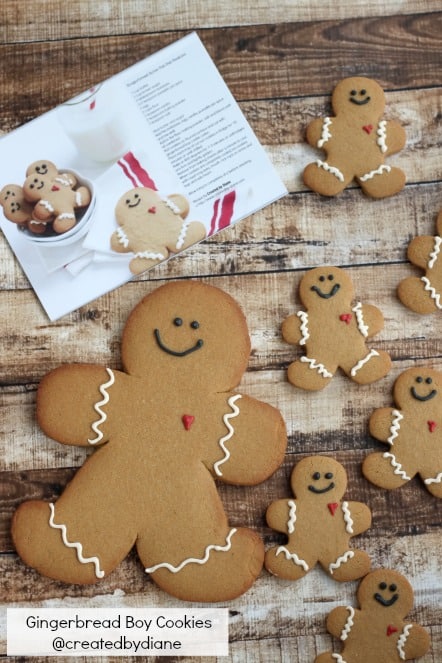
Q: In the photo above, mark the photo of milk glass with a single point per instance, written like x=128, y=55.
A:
x=95, y=122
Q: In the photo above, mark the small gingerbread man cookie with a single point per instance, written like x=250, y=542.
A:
x=163, y=430
x=413, y=430
x=377, y=631
x=15, y=207
x=153, y=227
x=423, y=295
x=318, y=524
x=333, y=330
x=355, y=140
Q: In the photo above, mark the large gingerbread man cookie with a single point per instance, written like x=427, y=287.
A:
x=318, y=524
x=356, y=141
x=377, y=631
x=423, y=295
x=333, y=330
x=153, y=227
x=163, y=431
x=413, y=430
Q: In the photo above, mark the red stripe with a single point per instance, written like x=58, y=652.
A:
x=227, y=210
x=138, y=171
x=127, y=173
x=215, y=214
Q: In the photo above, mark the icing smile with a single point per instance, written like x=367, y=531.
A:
x=177, y=353
x=386, y=602
x=319, y=491
x=326, y=295
x=428, y=396
x=360, y=102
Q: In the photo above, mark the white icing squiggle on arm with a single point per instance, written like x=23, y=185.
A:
x=395, y=426
x=347, y=517
x=75, y=544
x=97, y=407
x=348, y=624
x=292, y=517
x=435, y=252
x=363, y=328
x=194, y=560
x=325, y=135
x=382, y=136
x=229, y=435
x=303, y=316
x=402, y=641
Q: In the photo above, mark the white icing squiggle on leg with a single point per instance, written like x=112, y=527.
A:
x=293, y=556
x=338, y=658
x=397, y=466
x=75, y=544
x=314, y=365
x=436, y=479
x=226, y=438
x=195, y=560
x=330, y=169
x=97, y=407
x=378, y=171
x=435, y=296
x=362, y=362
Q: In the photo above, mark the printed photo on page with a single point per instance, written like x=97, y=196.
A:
x=129, y=174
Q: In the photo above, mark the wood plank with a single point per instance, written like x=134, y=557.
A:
x=80, y=18
x=257, y=62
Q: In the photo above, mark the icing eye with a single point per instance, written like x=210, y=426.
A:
x=392, y=588
x=322, y=278
x=195, y=324
x=178, y=322
x=428, y=380
x=363, y=92
x=316, y=476
x=383, y=585
x=419, y=380
x=329, y=475
x=330, y=277
x=353, y=93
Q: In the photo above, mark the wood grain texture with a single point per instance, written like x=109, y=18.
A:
x=281, y=61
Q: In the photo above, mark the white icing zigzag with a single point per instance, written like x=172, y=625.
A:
x=293, y=556
x=434, y=254
x=303, y=316
x=362, y=362
x=331, y=169
x=402, y=641
x=347, y=517
x=338, y=658
x=292, y=516
x=195, y=560
x=341, y=560
x=382, y=136
x=436, y=479
x=395, y=426
x=226, y=438
x=363, y=328
x=78, y=547
x=326, y=134
x=433, y=292
x=182, y=235
x=122, y=237
x=97, y=407
x=318, y=367
x=397, y=466
x=348, y=624
x=383, y=168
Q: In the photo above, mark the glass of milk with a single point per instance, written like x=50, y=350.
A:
x=95, y=122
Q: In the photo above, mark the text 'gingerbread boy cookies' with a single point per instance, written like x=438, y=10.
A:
x=318, y=524
x=423, y=295
x=355, y=140
x=413, y=430
x=164, y=430
x=152, y=227
x=333, y=330
x=377, y=631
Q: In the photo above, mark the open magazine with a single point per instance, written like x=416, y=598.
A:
x=128, y=174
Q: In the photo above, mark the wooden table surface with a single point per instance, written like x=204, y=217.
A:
x=281, y=61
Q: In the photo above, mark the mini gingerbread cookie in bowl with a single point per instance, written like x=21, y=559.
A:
x=423, y=294
x=333, y=329
x=318, y=524
x=356, y=140
x=377, y=631
x=163, y=430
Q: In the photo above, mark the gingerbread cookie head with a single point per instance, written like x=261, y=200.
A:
x=319, y=479
x=15, y=207
x=333, y=331
x=356, y=140
x=191, y=332
x=153, y=227
x=377, y=630
x=413, y=431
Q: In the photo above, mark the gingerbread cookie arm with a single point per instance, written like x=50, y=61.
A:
x=359, y=515
x=295, y=328
x=421, y=250
x=317, y=131
x=281, y=516
x=74, y=403
x=396, y=137
x=413, y=642
x=340, y=621
x=384, y=424
x=371, y=319
x=253, y=445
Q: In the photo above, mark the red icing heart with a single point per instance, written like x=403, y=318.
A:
x=332, y=506
x=432, y=426
x=391, y=629
x=346, y=317
x=55, y=188
x=188, y=420
x=152, y=210
x=368, y=128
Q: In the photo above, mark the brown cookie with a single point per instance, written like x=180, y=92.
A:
x=413, y=430
x=15, y=207
x=423, y=295
x=333, y=330
x=355, y=141
x=318, y=524
x=164, y=429
x=153, y=227
x=377, y=631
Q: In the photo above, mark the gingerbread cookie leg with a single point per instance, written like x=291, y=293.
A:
x=371, y=366
x=325, y=179
x=286, y=562
x=310, y=373
x=347, y=565
x=433, y=483
x=382, y=182
x=419, y=295
x=219, y=571
x=385, y=470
